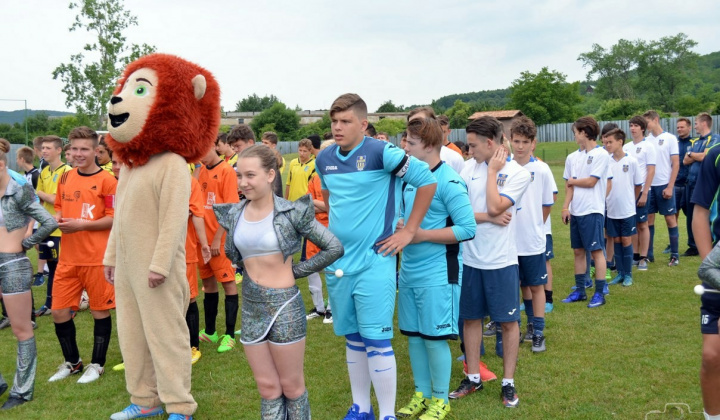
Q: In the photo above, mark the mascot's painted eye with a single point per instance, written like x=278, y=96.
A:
x=141, y=91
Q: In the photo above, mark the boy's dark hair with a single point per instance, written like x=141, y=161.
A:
x=427, y=110
x=639, y=121
x=370, y=130
x=270, y=136
x=706, y=118
x=488, y=127
x=428, y=130
x=328, y=136
x=616, y=133
x=687, y=121
x=26, y=154
x=461, y=145
x=104, y=144
x=350, y=102
x=443, y=120
x=55, y=140
x=315, y=139
x=403, y=135
x=523, y=126
x=37, y=142
x=608, y=128
x=589, y=126
x=240, y=132
x=221, y=137
x=84, y=133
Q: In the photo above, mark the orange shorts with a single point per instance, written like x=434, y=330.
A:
x=192, y=279
x=70, y=281
x=219, y=266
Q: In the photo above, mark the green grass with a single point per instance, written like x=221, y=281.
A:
x=637, y=353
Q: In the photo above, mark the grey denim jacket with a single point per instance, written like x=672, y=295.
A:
x=709, y=271
x=19, y=204
x=293, y=221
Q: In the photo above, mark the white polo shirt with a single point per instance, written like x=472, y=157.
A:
x=626, y=175
x=530, y=228
x=493, y=246
x=666, y=145
x=452, y=158
x=589, y=164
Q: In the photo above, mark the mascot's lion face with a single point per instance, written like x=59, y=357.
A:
x=161, y=104
x=129, y=110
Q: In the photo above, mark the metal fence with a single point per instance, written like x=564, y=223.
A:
x=12, y=161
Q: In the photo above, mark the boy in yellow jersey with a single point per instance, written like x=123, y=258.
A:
x=51, y=150
x=301, y=170
x=103, y=156
x=222, y=147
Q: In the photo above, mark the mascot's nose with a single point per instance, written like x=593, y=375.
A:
x=115, y=99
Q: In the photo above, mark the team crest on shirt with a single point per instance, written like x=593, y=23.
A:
x=638, y=150
x=660, y=142
x=589, y=161
x=626, y=168
x=501, y=180
x=532, y=176
x=360, y=163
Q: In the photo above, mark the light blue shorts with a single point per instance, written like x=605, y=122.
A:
x=364, y=302
x=429, y=312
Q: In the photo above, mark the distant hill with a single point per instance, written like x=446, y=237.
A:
x=11, y=117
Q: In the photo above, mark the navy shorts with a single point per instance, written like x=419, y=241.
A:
x=681, y=200
x=47, y=253
x=586, y=232
x=532, y=269
x=549, y=254
x=494, y=293
x=709, y=312
x=657, y=204
x=621, y=227
x=641, y=213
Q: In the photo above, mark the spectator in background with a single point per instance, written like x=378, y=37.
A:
x=226, y=152
x=463, y=148
x=68, y=155
x=370, y=131
x=37, y=148
x=382, y=136
x=103, y=156
x=328, y=136
x=270, y=139
x=316, y=142
x=445, y=126
x=24, y=159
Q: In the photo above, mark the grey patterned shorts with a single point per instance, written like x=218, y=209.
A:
x=15, y=273
x=274, y=315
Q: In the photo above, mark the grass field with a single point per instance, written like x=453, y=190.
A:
x=620, y=361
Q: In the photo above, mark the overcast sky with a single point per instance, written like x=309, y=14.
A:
x=309, y=52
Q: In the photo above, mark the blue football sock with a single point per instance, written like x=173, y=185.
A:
x=627, y=259
x=420, y=366
x=440, y=362
x=528, y=310
x=674, y=239
x=600, y=285
x=539, y=325
x=580, y=283
x=619, y=257
x=650, y=253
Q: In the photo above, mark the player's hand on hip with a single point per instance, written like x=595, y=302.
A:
x=155, y=279
x=109, y=274
x=395, y=243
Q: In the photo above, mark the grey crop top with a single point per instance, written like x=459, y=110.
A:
x=256, y=239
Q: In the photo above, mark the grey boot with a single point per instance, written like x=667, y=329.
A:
x=273, y=409
x=3, y=385
x=24, y=383
x=299, y=408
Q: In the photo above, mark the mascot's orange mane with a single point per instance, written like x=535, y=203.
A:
x=177, y=122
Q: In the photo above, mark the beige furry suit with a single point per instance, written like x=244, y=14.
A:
x=150, y=224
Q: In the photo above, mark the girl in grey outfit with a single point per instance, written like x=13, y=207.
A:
x=18, y=205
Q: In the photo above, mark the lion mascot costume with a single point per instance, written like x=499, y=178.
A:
x=164, y=113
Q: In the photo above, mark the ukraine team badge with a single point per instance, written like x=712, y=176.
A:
x=660, y=142
x=626, y=168
x=360, y=163
x=638, y=150
x=589, y=161
x=501, y=180
x=532, y=176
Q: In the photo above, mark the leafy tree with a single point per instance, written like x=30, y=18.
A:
x=284, y=121
x=254, y=103
x=318, y=127
x=392, y=126
x=389, y=106
x=614, y=67
x=620, y=109
x=458, y=114
x=692, y=105
x=545, y=97
x=89, y=84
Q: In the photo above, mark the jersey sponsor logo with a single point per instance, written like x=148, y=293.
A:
x=544, y=277
x=594, y=242
x=589, y=161
x=360, y=162
x=442, y=326
x=671, y=209
x=386, y=329
x=409, y=189
x=331, y=168
x=512, y=312
x=501, y=180
x=210, y=200
x=87, y=211
x=454, y=181
x=93, y=188
x=626, y=168
x=76, y=194
x=215, y=176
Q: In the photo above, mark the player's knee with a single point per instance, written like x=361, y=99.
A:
x=711, y=358
x=579, y=252
x=268, y=388
x=292, y=387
